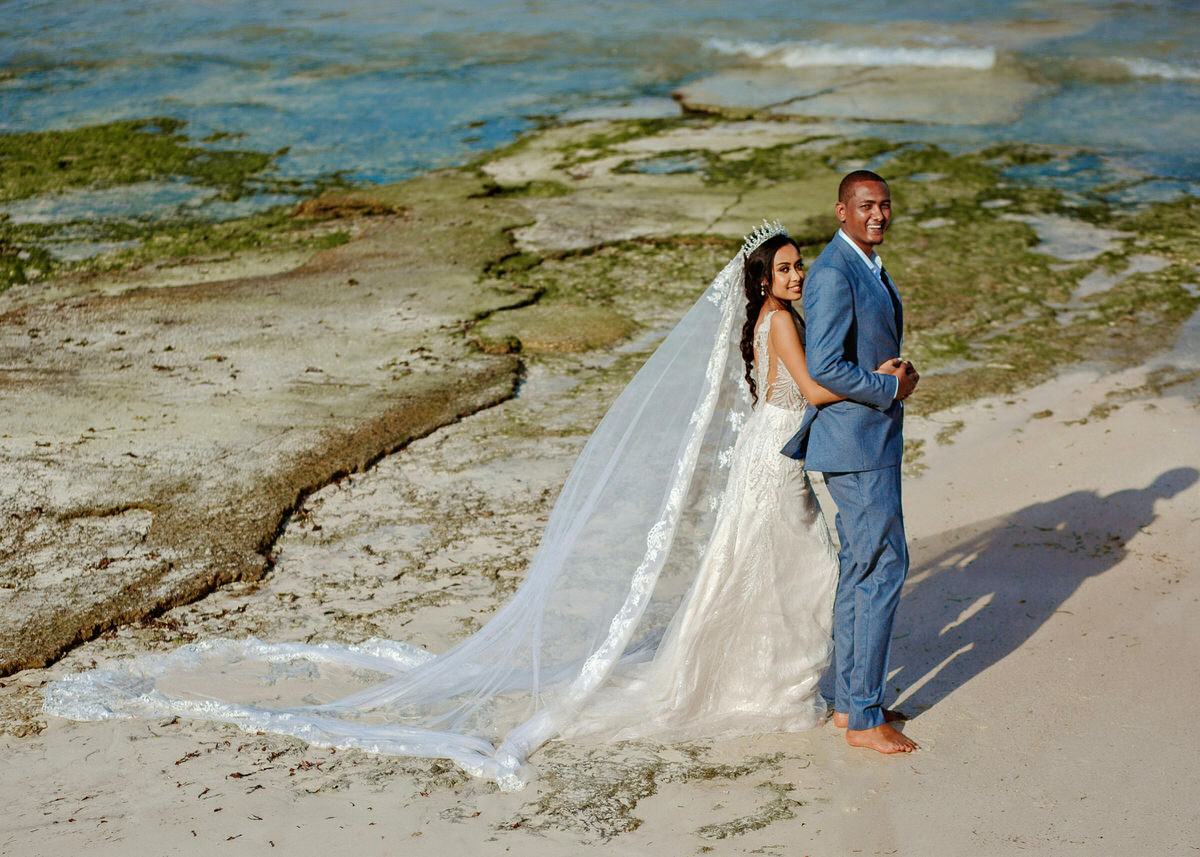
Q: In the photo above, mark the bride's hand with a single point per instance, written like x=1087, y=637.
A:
x=889, y=366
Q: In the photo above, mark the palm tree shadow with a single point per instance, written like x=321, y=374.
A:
x=990, y=586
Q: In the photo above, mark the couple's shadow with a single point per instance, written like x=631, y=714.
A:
x=987, y=588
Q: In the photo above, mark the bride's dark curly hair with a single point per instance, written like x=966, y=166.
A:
x=758, y=271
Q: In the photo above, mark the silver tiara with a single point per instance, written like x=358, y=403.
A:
x=760, y=234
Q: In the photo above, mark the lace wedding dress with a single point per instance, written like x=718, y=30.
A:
x=745, y=651
x=612, y=623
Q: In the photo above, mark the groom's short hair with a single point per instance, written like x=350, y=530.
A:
x=846, y=188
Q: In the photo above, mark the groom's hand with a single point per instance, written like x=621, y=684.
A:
x=909, y=377
x=905, y=373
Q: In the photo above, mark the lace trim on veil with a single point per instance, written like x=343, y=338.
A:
x=625, y=534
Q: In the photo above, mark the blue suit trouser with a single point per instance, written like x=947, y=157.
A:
x=874, y=563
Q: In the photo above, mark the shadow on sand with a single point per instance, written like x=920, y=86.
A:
x=988, y=587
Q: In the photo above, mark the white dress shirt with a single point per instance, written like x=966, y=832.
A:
x=873, y=261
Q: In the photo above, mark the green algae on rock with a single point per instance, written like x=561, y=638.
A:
x=20, y=260
x=313, y=224
x=589, y=300
x=121, y=153
x=74, y=168
x=290, y=233
x=543, y=327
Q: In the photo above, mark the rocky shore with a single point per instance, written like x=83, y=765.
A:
x=367, y=443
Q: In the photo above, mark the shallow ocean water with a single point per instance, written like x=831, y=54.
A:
x=384, y=90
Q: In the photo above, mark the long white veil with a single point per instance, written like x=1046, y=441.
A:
x=616, y=558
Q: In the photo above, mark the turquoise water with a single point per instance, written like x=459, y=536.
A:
x=382, y=90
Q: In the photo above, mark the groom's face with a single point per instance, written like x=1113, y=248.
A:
x=865, y=215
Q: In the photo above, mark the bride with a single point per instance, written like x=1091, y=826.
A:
x=683, y=587
x=745, y=651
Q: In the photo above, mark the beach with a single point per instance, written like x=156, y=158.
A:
x=349, y=415
x=1051, y=529
x=1049, y=602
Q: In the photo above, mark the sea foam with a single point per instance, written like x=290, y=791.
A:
x=1165, y=71
x=805, y=54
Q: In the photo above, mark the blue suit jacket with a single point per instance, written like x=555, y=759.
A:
x=853, y=324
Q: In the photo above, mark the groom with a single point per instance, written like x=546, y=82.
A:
x=854, y=322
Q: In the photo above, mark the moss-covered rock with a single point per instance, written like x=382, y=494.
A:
x=545, y=327
x=121, y=153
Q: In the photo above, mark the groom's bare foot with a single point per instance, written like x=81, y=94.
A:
x=884, y=738
x=841, y=719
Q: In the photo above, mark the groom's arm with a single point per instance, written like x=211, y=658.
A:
x=828, y=316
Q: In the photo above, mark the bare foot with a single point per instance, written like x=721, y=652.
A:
x=841, y=719
x=884, y=738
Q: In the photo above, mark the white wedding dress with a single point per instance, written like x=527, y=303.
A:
x=745, y=651
x=682, y=588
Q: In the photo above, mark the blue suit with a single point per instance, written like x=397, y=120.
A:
x=854, y=322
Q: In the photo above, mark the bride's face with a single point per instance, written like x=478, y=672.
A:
x=787, y=274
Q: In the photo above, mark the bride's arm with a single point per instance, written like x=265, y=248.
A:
x=787, y=346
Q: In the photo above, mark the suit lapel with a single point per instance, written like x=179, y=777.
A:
x=885, y=289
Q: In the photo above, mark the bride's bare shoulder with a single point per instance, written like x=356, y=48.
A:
x=790, y=333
